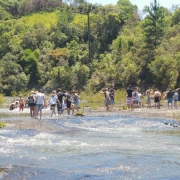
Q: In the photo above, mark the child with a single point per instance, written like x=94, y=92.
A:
x=148, y=96
x=21, y=103
x=52, y=101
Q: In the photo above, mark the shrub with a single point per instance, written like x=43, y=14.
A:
x=2, y=99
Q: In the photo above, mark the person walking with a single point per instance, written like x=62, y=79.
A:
x=75, y=101
x=67, y=101
x=52, y=101
x=39, y=103
x=32, y=104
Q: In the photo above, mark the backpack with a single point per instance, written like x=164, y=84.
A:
x=31, y=99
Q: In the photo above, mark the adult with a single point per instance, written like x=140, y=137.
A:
x=107, y=101
x=175, y=97
x=52, y=101
x=139, y=99
x=39, y=103
x=112, y=94
x=75, y=101
x=169, y=96
x=148, y=98
x=32, y=104
x=135, y=98
x=129, y=97
x=60, y=106
x=67, y=101
x=60, y=96
x=157, y=98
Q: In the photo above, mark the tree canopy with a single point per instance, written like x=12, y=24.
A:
x=47, y=44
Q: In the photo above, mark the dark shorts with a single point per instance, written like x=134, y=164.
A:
x=68, y=104
x=32, y=104
x=170, y=100
x=135, y=102
x=156, y=99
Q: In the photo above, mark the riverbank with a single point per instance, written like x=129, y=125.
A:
x=21, y=120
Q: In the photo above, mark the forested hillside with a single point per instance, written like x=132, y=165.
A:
x=50, y=44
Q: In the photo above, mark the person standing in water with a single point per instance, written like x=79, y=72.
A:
x=175, y=97
x=21, y=103
x=129, y=97
x=107, y=101
x=39, y=103
x=32, y=104
x=52, y=101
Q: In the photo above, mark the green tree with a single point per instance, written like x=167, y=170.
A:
x=127, y=10
x=29, y=63
x=12, y=77
x=81, y=73
x=175, y=17
x=153, y=26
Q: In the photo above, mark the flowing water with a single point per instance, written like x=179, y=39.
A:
x=94, y=147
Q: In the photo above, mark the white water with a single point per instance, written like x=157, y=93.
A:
x=113, y=147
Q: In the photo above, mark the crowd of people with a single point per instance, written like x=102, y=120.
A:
x=133, y=98
x=58, y=101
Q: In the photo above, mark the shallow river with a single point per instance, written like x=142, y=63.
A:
x=99, y=148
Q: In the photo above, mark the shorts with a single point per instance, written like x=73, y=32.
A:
x=129, y=100
x=135, y=102
x=68, y=103
x=112, y=100
x=156, y=99
x=32, y=104
x=170, y=100
x=107, y=102
x=39, y=107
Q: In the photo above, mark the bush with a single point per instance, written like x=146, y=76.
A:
x=2, y=124
x=2, y=99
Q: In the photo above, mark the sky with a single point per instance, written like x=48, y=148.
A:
x=140, y=3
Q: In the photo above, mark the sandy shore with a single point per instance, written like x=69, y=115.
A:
x=21, y=120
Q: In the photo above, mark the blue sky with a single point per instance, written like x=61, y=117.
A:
x=140, y=3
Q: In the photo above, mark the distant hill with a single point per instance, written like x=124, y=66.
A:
x=46, y=18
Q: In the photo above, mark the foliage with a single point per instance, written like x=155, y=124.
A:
x=47, y=44
x=2, y=99
x=2, y=124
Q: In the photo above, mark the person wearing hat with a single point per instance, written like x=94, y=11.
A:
x=32, y=104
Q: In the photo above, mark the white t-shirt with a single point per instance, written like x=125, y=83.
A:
x=40, y=98
x=135, y=95
x=53, y=100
